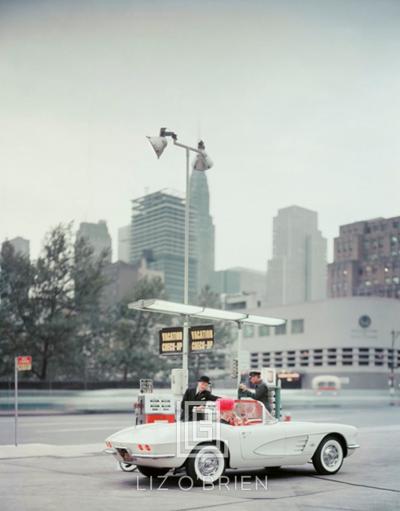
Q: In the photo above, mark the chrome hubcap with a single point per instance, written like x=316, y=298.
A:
x=331, y=456
x=208, y=464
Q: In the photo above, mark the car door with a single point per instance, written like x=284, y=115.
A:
x=263, y=444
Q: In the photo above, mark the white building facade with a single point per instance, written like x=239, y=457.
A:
x=346, y=337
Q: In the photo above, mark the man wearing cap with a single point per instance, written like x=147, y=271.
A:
x=261, y=390
x=196, y=397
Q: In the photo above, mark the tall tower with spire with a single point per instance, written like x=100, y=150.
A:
x=203, y=228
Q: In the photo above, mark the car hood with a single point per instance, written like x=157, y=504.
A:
x=294, y=427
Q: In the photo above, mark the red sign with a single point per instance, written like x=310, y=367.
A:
x=24, y=363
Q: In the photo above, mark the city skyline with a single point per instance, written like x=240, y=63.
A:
x=297, y=104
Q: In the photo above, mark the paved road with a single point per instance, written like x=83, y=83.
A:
x=81, y=477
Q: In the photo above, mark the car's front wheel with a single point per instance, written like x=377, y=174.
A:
x=205, y=465
x=328, y=458
x=152, y=471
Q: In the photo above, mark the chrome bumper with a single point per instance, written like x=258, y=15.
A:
x=353, y=446
x=139, y=456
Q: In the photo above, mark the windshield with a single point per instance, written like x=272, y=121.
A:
x=245, y=412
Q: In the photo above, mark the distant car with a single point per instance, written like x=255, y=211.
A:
x=326, y=385
x=206, y=448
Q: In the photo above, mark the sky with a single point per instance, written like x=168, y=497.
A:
x=297, y=101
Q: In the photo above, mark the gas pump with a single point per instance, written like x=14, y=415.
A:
x=268, y=374
x=153, y=407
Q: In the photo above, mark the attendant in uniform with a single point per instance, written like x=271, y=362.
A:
x=196, y=398
x=260, y=392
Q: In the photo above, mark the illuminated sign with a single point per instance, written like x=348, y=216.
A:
x=201, y=338
x=171, y=341
x=289, y=376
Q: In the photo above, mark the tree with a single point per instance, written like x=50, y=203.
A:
x=48, y=307
x=16, y=280
x=133, y=350
x=215, y=358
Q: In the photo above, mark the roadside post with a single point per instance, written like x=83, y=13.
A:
x=22, y=363
x=391, y=362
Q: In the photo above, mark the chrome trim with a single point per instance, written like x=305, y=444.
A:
x=152, y=456
x=110, y=451
x=353, y=446
x=135, y=456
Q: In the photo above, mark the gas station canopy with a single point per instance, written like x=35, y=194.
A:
x=165, y=307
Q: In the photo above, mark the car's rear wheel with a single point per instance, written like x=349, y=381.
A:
x=152, y=471
x=328, y=458
x=205, y=465
x=127, y=467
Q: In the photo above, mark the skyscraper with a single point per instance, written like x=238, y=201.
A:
x=97, y=236
x=121, y=279
x=240, y=280
x=158, y=234
x=124, y=243
x=366, y=259
x=297, y=271
x=203, y=228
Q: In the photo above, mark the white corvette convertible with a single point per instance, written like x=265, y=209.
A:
x=236, y=434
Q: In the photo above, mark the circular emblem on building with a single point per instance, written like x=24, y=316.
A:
x=364, y=321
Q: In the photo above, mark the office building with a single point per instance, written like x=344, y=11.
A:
x=203, y=228
x=366, y=259
x=21, y=246
x=124, y=243
x=97, y=236
x=121, y=279
x=158, y=234
x=297, y=271
x=240, y=281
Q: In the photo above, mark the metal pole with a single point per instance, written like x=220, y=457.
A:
x=278, y=399
x=239, y=350
x=392, y=389
x=185, y=350
x=16, y=402
x=187, y=210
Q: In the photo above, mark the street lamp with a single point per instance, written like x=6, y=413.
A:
x=202, y=162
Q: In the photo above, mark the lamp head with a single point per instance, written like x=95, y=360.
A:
x=158, y=144
x=203, y=161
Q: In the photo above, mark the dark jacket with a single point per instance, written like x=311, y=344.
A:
x=260, y=393
x=198, y=398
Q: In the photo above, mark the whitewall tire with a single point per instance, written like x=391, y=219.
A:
x=328, y=458
x=205, y=465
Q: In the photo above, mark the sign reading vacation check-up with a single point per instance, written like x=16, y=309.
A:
x=201, y=338
x=171, y=341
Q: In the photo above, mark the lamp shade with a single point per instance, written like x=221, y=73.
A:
x=202, y=162
x=158, y=144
